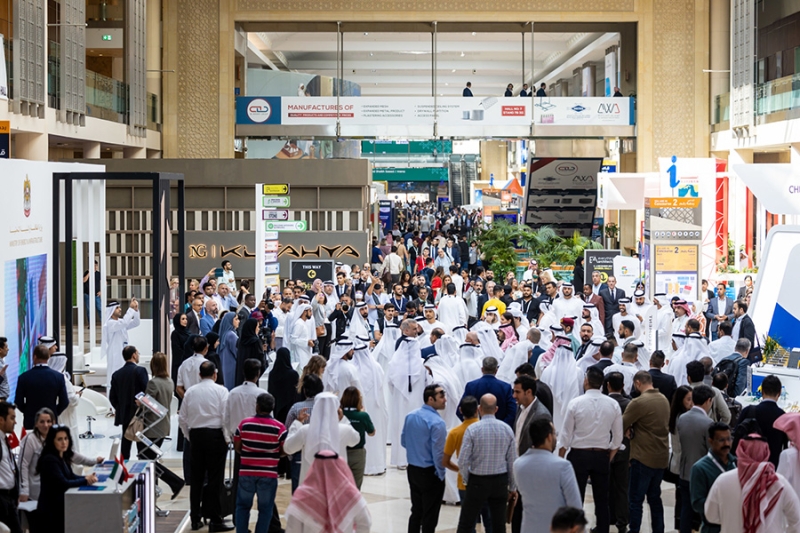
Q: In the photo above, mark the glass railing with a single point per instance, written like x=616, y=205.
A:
x=722, y=108
x=778, y=95
x=106, y=93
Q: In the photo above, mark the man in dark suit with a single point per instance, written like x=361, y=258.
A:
x=747, y=330
x=126, y=383
x=748, y=284
x=529, y=304
x=611, y=297
x=665, y=383
x=41, y=386
x=530, y=409
x=193, y=316
x=343, y=287
x=766, y=413
x=489, y=384
x=719, y=309
x=693, y=433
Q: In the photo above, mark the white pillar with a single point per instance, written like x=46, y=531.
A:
x=91, y=150
x=737, y=202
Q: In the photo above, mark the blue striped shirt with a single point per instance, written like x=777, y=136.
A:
x=488, y=449
x=423, y=437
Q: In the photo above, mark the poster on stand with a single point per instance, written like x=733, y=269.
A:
x=676, y=270
x=627, y=270
x=600, y=260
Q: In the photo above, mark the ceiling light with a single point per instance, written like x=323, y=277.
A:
x=371, y=54
x=376, y=83
x=462, y=54
x=373, y=70
x=366, y=33
x=453, y=70
x=447, y=83
x=474, y=34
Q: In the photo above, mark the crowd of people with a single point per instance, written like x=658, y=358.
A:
x=509, y=396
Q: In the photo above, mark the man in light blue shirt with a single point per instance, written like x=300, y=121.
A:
x=545, y=481
x=424, y=435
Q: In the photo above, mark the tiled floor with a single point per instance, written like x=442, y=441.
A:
x=387, y=495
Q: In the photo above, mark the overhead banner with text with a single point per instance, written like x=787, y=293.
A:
x=424, y=111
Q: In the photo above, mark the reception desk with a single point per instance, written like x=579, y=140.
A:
x=106, y=508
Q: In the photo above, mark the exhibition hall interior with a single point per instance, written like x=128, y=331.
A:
x=399, y=266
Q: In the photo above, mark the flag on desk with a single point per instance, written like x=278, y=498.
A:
x=119, y=474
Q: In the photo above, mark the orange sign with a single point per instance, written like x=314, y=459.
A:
x=673, y=202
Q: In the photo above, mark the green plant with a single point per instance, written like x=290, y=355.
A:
x=769, y=347
x=496, y=245
x=611, y=230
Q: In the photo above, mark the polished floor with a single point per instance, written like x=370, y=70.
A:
x=387, y=495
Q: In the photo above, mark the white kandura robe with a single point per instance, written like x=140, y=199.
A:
x=372, y=390
x=664, y=317
x=565, y=380
x=563, y=307
x=301, y=351
x=617, y=319
x=406, y=363
x=115, y=338
x=452, y=313
x=515, y=356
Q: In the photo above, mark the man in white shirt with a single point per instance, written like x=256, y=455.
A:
x=452, y=309
x=393, y=264
x=567, y=305
x=724, y=345
x=224, y=299
x=586, y=434
x=627, y=367
x=457, y=280
x=201, y=419
x=189, y=371
x=242, y=399
x=376, y=298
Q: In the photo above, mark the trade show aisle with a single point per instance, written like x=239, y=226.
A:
x=387, y=495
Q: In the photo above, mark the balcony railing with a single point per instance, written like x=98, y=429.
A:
x=778, y=95
x=106, y=98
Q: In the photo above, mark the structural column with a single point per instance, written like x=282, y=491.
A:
x=91, y=150
x=31, y=146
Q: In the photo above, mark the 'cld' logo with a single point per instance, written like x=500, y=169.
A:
x=259, y=110
x=565, y=169
x=608, y=109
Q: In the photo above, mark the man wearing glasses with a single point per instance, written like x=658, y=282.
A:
x=424, y=435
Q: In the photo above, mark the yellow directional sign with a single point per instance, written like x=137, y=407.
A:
x=275, y=188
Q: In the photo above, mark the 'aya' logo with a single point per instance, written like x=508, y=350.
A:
x=27, y=197
x=259, y=110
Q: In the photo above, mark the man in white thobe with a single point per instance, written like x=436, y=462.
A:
x=567, y=305
x=407, y=379
x=372, y=381
x=724, y=345
x=359, y=326
x=663, y=326
x=452, y=310
x=565, y=380
x=340, y=371
x=639, y=306
x=115, y=335
x=623, y=314
x=301, y=342
x=430, y=323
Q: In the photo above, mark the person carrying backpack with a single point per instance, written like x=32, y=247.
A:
x=734, y=367
x=721, y=383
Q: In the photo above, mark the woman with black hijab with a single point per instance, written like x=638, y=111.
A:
x=282, y=384
x=578, y=276
x=213, y=356
x=250, y=347
x=178, y=340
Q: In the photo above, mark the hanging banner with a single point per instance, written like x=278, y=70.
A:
x=3, y=72
x=611, y=72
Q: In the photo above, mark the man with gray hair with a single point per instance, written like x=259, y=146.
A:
x=489, y=384
x=735, y=367
x=486, y=463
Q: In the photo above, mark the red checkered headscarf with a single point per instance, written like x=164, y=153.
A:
x=761, y=489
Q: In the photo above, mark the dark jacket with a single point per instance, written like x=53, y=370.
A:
x=466, y=92
x=530, y=309
x=506, y=405
x=611, y=304
x=747, y=330
x=544, y=394
x=57, y=478
x=693, y=432
x=250, y=347
x=622, y=455
x=536, y=411
x=192, y=322
x=126, y=383
x=41, y=386
x=765, y=414
x=665, y=383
